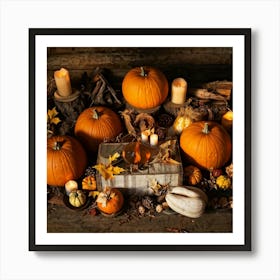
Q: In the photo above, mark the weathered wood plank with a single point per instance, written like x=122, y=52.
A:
x=125, y=59
x=62, y=219
x=195, y=64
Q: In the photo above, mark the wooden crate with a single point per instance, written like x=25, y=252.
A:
x=138, y=182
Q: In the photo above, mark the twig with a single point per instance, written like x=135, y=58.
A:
x=112, y=91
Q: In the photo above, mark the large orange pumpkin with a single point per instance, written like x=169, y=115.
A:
x=145, y=87
x=206, y=144
x=66, y=160
x=96, y=124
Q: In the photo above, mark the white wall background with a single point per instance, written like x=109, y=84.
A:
x=16, y=262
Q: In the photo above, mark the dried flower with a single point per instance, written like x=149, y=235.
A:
x=223, y=182
x=229, y=170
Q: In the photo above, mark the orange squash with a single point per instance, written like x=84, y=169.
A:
x=206, y=144
x=110, y=201
x=96, y=124
x=66, y=160
x=145, y=87
x=89, y=183
x=192, y=174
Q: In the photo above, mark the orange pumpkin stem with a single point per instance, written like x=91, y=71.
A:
x=143, y=73
x=95, y=114
x=57, y=145
x=205, y=128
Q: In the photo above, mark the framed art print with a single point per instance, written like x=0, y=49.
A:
x=140, y=139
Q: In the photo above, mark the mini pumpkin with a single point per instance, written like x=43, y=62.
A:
x=89, y=183
x=66, y=160
x=96, y=124
x=206, y=144
x=192, y=174
x=77, y=198
x=110, y=201
x=145, y=87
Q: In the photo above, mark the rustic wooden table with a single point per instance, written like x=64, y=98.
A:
x=62, y=219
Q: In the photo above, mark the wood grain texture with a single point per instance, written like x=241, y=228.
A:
x=62, y=219
x=195, y=64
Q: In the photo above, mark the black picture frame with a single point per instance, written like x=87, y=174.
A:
x=243, y=33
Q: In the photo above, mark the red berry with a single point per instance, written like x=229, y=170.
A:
x=217, y=172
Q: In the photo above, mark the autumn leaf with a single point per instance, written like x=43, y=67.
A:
x=108, y=171
x=105, y=196
x=117, y=170
x=94, y=194
x=102, y=198
x=104, y=171
x=52, y=116
x=114, y=157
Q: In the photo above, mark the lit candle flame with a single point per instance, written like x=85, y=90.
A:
x=148, y=156
x=137, y=156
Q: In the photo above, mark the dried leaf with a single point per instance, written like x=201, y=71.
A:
x=114, y=157
x=52, y=116
x=94, y=194
x=155, y=186
x=170, y=144
x=108, y=171
x=117, y=170
x=104, y=171
x=52, y=113
x=127, y=116
x=171, y=161
x=55, y=120
x=145, y=121
x=167, y=150
x=102, y=198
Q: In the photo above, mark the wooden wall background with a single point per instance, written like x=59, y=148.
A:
x=195, y=64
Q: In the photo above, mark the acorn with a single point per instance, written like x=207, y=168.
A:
x=159, y=208
x=141, y=210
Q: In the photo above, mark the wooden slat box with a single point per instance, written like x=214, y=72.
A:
x=138, y=182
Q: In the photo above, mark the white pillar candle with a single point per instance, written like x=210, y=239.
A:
x=63, y=83
x=154, y=139
x=178, y=91
x=144, y=136
x=71, y=186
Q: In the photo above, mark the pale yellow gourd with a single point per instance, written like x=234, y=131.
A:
x=181, y=122
x=77, y=198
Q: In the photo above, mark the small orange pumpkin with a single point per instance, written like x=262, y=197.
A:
x=206, y=144
x=145, y=87
x=66, y=160
x=89, y=183
x=192, y=174
x=96, y=124
x=110, y=201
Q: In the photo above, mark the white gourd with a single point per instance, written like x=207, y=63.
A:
x=187, y=201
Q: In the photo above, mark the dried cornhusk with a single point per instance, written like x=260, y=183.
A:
x=196, y=114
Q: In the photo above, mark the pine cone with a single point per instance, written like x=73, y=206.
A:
x=147, y=202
